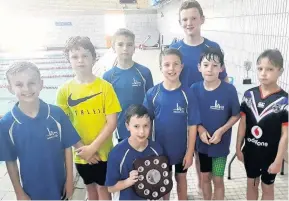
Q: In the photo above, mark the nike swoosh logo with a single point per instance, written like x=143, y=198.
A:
x=73, y=103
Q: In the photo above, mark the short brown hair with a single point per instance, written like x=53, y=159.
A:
x=18, y=67
x=191, y=4
x=79, y=41
x=274, y=56
x=170, y=51
x=123, y=32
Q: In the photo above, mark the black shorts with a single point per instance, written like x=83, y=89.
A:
x=254, y=171
x=179, y=168
x=92, y=173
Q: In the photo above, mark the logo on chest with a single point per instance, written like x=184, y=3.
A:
x=179, y=109
x=136, y=83
x=51, y=134
x=261, y=105
x=217, y=106
x=257, y=132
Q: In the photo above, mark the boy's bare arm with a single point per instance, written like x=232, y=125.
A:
x=87, y=151
x=201, y=129
x=241, y=133
x=78, y=145
x=110, y=126
x=69, y=172
x=283, y=146
x=119, y=186
x=13, y=172
x=230, y=123
x=188, y=159
x=217, y=136
x=123, y=184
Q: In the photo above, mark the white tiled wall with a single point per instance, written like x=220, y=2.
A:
x=243, y=28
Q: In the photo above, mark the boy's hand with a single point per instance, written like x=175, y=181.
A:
x=187, y=161
x=205, y=136
x=23, y=196
x=133, y=178
x=275, y=168
x=68, y=189
x=217, y=136
x=240, y=155
x=94, y=159
x=85, y=152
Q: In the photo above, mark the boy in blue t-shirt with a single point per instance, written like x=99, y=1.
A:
x=176, y=116
x=120, y=175
x=40, y=136
x=219, y=109
x=129, y=79
x=191, y=18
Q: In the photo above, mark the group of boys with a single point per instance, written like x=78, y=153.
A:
x=193, y=110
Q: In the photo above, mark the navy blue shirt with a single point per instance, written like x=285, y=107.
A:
x=173, y=112
x=130, y=86
x=120, y=164
x=216, y=108
x=191, y=58
x=39, y=143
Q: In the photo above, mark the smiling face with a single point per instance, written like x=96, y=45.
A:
x=171, y=67
x=139, y=128
x=191, y=21
x=25, y=85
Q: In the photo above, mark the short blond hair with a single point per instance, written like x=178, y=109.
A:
x=21, y=66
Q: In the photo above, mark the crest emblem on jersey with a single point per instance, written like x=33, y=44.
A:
x=256, y=132
x=261, y=105
x=276, y=108
x=136, y=83
x=179, y=109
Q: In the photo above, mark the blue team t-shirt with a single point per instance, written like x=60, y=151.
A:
x=191, y=58
x=120, y=164
x=130, y=86
x=39, y=143
x=173, y=112
x=216, y=108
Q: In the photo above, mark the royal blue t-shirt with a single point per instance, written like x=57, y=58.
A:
x=120, y=164
x=173, y=112
x=5, y=153
x=216, y=108
x=191, y=58
x=130, y=86
x=39, y=143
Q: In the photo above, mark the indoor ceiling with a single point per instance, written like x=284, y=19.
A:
x=48, y=6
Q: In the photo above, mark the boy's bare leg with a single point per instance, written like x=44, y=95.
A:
x=181, y=179
x=207, y=185
x=103, y=193
x=219, y=188
x=252, y=188
x=198, y=170
x=92, y=192
x=267, y=191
